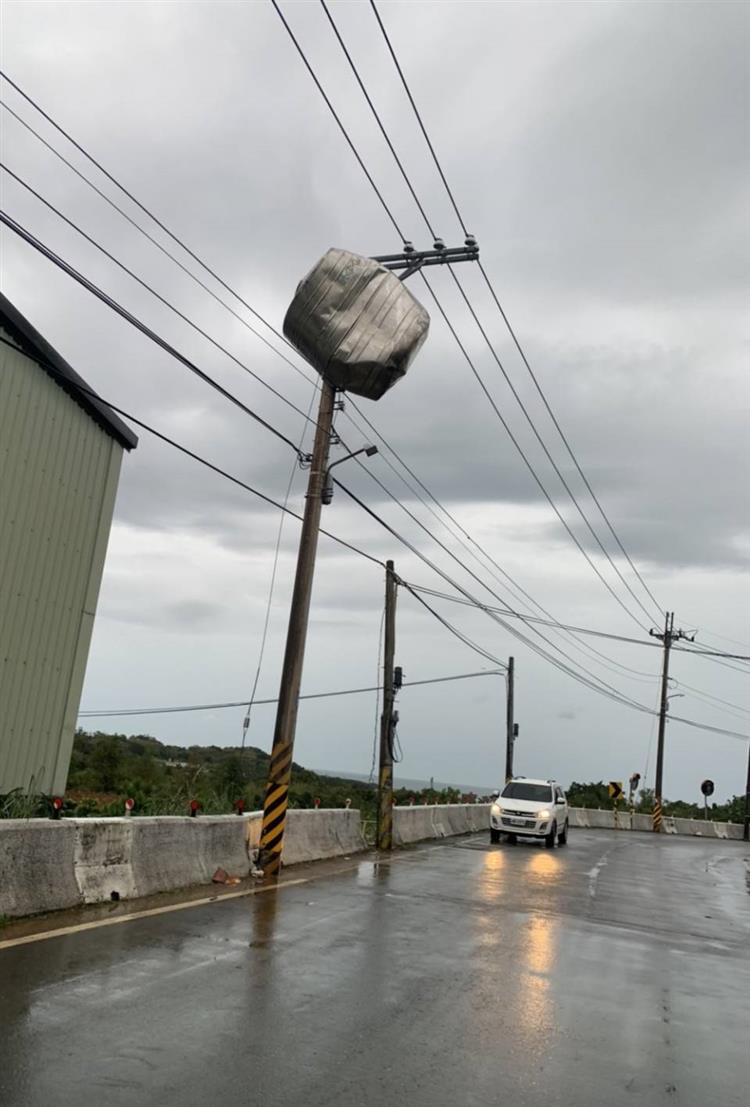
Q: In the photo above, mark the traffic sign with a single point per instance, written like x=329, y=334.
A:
x=615, y=789
x=707, y=787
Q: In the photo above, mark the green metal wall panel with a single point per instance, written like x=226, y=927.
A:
x=58, y=480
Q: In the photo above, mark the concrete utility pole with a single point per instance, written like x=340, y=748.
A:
x=510, y=732
x=746, y=831
x=280, y=771
x=667, y=638
x=387, y=720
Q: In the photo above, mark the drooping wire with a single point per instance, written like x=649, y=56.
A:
x=272, y=584
x=376, y=728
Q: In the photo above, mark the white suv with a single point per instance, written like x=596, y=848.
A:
x=530, y=809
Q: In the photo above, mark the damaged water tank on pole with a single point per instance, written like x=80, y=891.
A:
x=356, y=323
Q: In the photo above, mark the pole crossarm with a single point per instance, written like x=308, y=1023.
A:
x=411, y=261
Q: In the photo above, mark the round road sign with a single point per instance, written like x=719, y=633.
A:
x=707, y=787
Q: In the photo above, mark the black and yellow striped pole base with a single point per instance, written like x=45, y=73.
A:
x=385, y=808
x=275, y=807
x=656, y=817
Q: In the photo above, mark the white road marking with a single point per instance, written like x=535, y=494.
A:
x=76, y=928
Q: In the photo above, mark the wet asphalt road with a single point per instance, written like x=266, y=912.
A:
x=613, y=972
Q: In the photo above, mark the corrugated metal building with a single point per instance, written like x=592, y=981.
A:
x=60, y=454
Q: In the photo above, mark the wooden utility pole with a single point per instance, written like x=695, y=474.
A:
x=667, y=638
x=387, y=722
x=509, y=726
x=280, y=770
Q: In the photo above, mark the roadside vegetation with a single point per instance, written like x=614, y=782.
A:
x=107, y=769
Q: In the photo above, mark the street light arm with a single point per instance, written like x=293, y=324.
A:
x=370, y=451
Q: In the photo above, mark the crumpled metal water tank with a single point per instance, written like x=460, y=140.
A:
x=356, y=323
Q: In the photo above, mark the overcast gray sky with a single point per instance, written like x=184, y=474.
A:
x=599, y=151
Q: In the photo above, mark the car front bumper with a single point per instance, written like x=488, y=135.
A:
x=530, y=827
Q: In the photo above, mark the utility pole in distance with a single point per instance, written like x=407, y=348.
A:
x=387, y=721
x=667, y=638
x=509, y=724
x=746, y=830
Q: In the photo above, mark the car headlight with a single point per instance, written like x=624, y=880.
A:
x=542, y=814
x=496, y=810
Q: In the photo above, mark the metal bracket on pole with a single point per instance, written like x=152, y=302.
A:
x=411, y=261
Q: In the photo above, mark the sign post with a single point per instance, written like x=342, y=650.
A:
x=707, y=788
x=615, y=793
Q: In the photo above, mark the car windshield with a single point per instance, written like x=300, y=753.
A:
x=520, y=790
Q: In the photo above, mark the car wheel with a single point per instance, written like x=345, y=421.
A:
x=512, y=839
x=549, y=839
x=494, y=836
x=562, y=838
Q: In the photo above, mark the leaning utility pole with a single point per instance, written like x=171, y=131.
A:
x=387, y=719
x=667, y=638
x=510, y=732
x=280, y=770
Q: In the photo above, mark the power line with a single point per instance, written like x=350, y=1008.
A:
x=32, y=240
x=335, y=115
x=383, y=131
x=520, y=450
x=419, y=119
x=39, y=246
x=258, y=703
x=181, y=315
x=162, y=226
x=455, y=335
x=50, y=368
x=596, y=683
x=167, y=231
x=463, y=293
x=272, y=584
x=155, y=242
x=233, y=292
x=543, y=444
x=503, y=314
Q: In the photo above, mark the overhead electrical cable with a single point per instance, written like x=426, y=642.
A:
x=181, y=315
x=240, y=299
x=52, y=370
x=336, y=116
x=159, y=223
x=503, y=314
x=159, y=246
x=520, y=450
x=257, y=703
x=45, y=251
x=478, y=377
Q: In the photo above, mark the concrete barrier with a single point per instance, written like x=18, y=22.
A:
x=696, y=828
x=48, y=866
x=418, y=824
x=315, y=835
x=37, y=871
